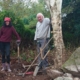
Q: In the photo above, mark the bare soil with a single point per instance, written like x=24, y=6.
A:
x=17, y=68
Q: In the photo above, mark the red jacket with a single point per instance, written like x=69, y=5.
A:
x=6, y=34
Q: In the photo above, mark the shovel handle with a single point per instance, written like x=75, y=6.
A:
x=46, y=54
x=47, y=43
x=44, y=48
x=18, y=51
x=18, y=42
x=41, y=53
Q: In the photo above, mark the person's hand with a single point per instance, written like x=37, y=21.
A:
x=18, y=42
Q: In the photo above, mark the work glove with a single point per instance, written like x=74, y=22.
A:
x=18, y=42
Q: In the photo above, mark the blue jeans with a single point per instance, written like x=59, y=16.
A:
x=40, y=44
x=5, y=51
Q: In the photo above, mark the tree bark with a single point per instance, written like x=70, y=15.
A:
x=55, y=11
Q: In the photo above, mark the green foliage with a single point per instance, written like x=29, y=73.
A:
x=77, y=31
x=68, y=37
x=19, y=26
x=31, y=24
x=71, y=26
x=66, y=2
x=13, y=53
x=26, y=21
x=23, y=56
x=69, y=5
x=30, y=20
x=29, y=34
x=1, y=18
x=29, y=57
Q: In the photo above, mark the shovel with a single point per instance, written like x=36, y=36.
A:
x=38, y=66
x=18, y=43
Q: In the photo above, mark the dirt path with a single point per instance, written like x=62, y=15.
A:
x=18, y=68
x=12, y=76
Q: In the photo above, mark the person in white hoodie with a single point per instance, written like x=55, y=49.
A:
x=42, y=35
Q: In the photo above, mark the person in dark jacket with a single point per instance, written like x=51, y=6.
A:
x=6, y=32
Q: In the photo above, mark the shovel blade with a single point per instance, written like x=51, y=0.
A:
x=36, y=70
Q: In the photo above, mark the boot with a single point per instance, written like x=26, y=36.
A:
x=3, y=67
x=8, y=67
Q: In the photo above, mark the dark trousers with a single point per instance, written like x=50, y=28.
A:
x=40, y=44
x=5, y=51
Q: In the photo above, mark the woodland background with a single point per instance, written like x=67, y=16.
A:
x=23, y=16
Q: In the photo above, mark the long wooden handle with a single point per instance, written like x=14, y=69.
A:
x=24, y=66
x=44, y=57
x=44, y=47
x=46, y=54
x=47, y=43
x=18, y=52
x=41, y=53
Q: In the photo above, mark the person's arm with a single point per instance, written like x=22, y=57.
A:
x=35, y=38
x=15, y=33
x=47, y=21
x=0, y=32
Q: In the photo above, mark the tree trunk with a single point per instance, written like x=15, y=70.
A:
x=55, y=11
